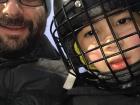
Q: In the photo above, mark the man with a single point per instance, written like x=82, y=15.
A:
x=100, y=41
x=30, y=72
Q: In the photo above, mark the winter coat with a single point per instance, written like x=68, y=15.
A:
x=85, y=93
x=93, y=96
x=33, y=79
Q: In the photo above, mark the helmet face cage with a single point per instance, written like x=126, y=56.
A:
x=72, y=16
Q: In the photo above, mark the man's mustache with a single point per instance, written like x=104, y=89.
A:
x=18, y=21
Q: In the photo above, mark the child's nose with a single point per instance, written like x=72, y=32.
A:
x=110, y=48
x=107, y=38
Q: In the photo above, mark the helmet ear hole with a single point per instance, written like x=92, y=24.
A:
x=81, y=58
x=72, y=55
x=77, y=50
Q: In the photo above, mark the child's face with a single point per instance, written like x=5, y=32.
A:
x=122, y=25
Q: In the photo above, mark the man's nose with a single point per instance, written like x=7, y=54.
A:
x=12, y=9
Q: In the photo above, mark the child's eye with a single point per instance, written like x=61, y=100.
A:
x=123, y=21
x=89, y=33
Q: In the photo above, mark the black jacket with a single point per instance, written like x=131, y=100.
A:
x=93, y=96
x=35, y=78
x=87, y=94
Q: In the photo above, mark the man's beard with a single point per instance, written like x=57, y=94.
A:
x=14, y=43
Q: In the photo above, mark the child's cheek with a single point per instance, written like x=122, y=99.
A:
x=94, y=55
x=134, y=40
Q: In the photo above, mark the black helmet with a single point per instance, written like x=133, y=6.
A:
x=71, y=16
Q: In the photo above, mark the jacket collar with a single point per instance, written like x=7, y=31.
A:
x=45, y=49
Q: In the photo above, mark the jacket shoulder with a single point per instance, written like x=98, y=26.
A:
x=94, y=96
x=47, y=75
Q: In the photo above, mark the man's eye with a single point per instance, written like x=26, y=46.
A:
x=124, y=21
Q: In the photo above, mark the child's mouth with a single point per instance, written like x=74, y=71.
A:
x=117, y=64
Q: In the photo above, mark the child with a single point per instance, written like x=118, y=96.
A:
x=103, y=37
x=122, y=25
